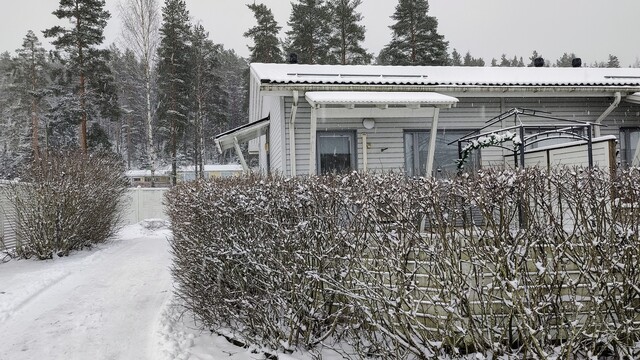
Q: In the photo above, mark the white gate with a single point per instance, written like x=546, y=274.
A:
x=144, y=203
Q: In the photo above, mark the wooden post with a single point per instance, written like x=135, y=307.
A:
x=432, y=142
x=312, y=140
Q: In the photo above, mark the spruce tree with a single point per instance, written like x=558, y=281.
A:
x=80, y=42
x=348, y=35
x=471, y=61
x=613, y=62
x=310, y=32
x=415, y=39
x=565, y=60
x=456, y=58
x=266, y=48
x=174, y=75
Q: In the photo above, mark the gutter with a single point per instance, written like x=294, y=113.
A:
x=613, y=106
x=460, y=90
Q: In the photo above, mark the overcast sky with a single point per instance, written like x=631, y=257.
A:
x=592, y=29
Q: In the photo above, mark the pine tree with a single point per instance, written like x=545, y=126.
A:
x=310, y=32
x=31, y=81
x=415, y=39
x=174, y=75
x=348, y=35
x=234, y=73
x=14, y=120
x=266, y=48
x=209, y=99
x=130, y=139
x=80, y=42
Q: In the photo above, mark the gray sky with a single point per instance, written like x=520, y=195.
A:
x=592, y=29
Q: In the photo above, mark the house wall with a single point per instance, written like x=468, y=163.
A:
x=470, y=113
x=386, y=143
x=274, y=108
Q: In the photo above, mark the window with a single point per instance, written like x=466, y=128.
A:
x=336, y=152
x=628, y=141
x=416, y=148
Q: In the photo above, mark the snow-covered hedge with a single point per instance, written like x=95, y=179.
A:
x=502, y=262
x=67, y=201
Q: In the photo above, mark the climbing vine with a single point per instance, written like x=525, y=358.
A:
x=486, y=141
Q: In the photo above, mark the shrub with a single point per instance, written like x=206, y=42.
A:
x=68, y=201
x=503, y=262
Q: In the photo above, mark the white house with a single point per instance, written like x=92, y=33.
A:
x=311, y=119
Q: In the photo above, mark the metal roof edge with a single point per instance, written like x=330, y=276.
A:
x=461, y=90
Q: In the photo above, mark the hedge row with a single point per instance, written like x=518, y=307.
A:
x=66, y=201
x=502, y=262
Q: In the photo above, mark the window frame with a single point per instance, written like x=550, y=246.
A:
x=353, y=148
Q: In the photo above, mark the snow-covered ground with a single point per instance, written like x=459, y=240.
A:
x=112, y=302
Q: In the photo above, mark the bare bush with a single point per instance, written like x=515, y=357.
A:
x=68, y=201
x=522, y=263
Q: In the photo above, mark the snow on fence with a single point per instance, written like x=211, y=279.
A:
x=293, y=263
x=144, y=203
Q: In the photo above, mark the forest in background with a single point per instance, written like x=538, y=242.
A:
x=159, y=97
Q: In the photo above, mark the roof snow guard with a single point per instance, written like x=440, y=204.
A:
x=444, y=75
x=379, y=98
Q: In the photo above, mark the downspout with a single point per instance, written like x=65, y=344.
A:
x=613, y=106
x=292, y=133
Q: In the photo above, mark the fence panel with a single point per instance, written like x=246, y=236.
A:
x=7, y=222
x=144, y=203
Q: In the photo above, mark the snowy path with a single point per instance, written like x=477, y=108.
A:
x=100, y=304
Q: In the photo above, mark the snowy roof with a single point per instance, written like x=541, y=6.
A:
x=444, y=75
x=378, y=98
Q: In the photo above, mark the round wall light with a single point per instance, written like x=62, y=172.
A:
x=368, y=123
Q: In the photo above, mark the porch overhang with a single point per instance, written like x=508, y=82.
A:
x=366, y=104
x=232, y=138
x=380, y=99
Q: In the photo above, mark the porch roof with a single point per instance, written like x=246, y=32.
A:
x=379, y=98
x=241, y=134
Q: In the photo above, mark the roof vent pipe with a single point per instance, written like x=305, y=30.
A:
x=576, y=63
x=538, y=62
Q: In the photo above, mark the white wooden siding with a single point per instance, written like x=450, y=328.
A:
x=273, y=106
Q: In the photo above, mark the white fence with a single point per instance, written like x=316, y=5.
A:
x=144, y=203
x=140, y=204
x=7, y=221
